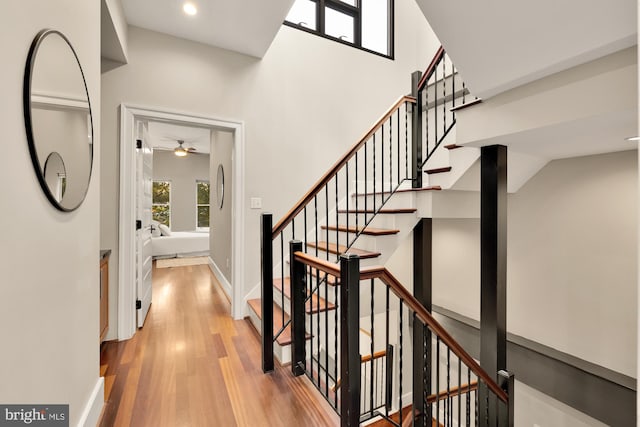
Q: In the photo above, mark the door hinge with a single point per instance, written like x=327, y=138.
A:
x=138, y=304
x=138, y=224
x=138, y=143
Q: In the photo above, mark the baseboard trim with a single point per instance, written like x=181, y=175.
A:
x=92, y=411
x=226, y=286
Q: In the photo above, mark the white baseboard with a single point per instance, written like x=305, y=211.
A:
x=91, y=413
x=226, y=286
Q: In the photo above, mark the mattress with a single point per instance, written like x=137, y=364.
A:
x=180, y=243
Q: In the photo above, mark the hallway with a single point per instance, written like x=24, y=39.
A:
x=193, y=365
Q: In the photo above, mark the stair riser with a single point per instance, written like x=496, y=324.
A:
x=377, y=221
x=398, y=201
x=277, y=298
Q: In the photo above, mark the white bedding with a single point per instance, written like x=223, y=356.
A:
x=181, y=243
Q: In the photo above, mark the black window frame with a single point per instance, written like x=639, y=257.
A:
x=356, y=13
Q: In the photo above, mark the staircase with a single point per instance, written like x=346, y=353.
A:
x=350, y=344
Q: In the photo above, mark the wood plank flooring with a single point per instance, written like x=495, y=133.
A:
x=193, y=365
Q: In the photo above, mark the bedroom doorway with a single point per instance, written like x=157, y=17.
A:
x=224, y=187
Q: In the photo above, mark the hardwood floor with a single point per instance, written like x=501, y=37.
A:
x=193, y=365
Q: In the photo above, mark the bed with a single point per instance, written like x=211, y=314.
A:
x=180, y=244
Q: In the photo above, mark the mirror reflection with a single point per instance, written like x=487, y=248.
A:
x=58, y=120
x=55, y=175
x=220, y=186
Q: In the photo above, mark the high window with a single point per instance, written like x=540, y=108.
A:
x=202, y=206
x=161, y=202
x=365, y=24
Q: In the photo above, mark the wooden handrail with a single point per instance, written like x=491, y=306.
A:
x=436, y=58
x=381, y=273
x=455, y=391
x=422, y=313
x=280, y=226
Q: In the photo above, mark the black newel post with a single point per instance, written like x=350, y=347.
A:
x=298, y=296
x=506, y=380
x=422, y=275
x=416, y=131
x=493, y=272
x=266, y=265
x=349, y=340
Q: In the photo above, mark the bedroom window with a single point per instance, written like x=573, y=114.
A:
x=365, y=24
x=161, y=202
x=202, y=206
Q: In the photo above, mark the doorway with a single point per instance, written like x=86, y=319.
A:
x=233, y=185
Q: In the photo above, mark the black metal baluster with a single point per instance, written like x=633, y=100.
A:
x=337, y=221
x=305, y=228
x=390, y=360
x=444, y=96
x=448, y=383
x=381, y=167
x=464, y=90
x=346, y=194
x=357, y=213
x=326, y=217
x=372, y=331
x=398, y=141
x=326, y=328
x=315, y=219
x=390, y=155
x=435, y=109
x=426, y=118
x=401, y=345
x=374, y=172
x=335, y=332
x=427, y=375
x=453, y=84
x=459, y=387
x=468, y=399
x=406, y=139
x=437, y=362
x=310, y=273
x=282, y=262
x=365, y=182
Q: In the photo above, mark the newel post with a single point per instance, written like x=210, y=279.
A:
x=298, y=296
x=506, y=381
x=266, y=266
x=416, y=131
x=349, y=340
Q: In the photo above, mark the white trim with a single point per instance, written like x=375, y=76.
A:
x=126, y=274
x=92, y=411
x=226, y=286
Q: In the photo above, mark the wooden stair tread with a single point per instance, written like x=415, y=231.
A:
x=452, y=146
x=315, y=305
x=369, y=231
x=404, y=190
x=285, y=336
x=340, y=249
x=380, y=212
x=438, y=170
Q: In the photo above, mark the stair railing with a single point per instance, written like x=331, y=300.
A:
x=358, y=185
x=439, y=92
x=373, y=299
x=355, y=188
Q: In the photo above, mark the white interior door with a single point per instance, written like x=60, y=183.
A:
x=144, y=184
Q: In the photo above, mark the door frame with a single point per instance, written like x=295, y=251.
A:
x=126, y=234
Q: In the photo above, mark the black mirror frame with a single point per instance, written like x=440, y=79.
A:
x=26, y=96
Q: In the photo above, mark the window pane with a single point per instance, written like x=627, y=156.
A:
x=303, y=13
x=375, y=25
x=338, y=25
x=162, y=214
x=203, y=216
x=203, y=193
x=161, y=191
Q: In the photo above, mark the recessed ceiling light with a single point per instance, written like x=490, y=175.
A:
x=632, y=138
x=190, y=9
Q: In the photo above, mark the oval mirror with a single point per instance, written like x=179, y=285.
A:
x=220, y=186
x=55, y=176
x=58, y=120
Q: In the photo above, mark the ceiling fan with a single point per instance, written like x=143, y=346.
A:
x=180, y=150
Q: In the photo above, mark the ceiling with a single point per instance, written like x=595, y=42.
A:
x=501, y=44
x=166, y=135
x=244, y=26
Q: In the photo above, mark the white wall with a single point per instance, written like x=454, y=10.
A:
x=571, y=267
x=303, y=105
x=183, y=172
x=221, y=220
x=49, y=291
